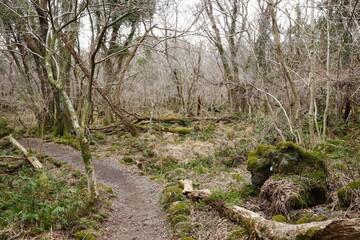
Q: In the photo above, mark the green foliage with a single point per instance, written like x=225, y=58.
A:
x=40, y=200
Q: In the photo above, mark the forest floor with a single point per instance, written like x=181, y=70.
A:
x=136, y=213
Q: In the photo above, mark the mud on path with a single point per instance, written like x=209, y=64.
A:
x=136, y=214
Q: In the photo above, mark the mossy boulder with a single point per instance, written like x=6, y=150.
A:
x=4, y=127
x=349, y=193
x=286, y=159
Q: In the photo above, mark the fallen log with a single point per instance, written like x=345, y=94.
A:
x=186, y=119
x=32, y=159
x=261, y=228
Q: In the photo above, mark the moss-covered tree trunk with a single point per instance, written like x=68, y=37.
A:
x=79, y=129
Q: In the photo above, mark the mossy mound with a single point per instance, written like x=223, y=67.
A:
x=4, y=127
x=88, y=234
x=171, y=194
x=179, y=218
x=349, y=193
x=178, y=208
x=183, y=228
x=286, y=159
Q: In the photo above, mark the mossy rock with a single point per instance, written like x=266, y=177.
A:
x=178, y=208
x=239, y=233
x=183, y=228
x=4, y=127
x=88, y=234
x=170, y=195
x=287, y=159
x=179, y=218
x=280, y=218
x=348, y=193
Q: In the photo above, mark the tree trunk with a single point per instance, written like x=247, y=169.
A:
x=334, y=229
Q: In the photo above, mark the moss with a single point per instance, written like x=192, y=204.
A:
x=86, y=223
x=182, y=228
x=171, y=194
x=187, y=238
x=4, y=127
x=306, y=218
x=98, y=218
x=280, y=218
x=237, y=177
x=88, y=234
x=239, y=233
x=347, y=194
x=178, y=208
x=127, y=159
x=179, y=218
x=309, y=235
x=286, y=158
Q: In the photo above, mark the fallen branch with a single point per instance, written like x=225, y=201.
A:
x=334, y=229
x=179, y=119
x=32, y=159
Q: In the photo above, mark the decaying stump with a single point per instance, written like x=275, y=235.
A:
x=334, y=229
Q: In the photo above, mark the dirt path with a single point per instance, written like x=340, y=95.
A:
x=136, y=213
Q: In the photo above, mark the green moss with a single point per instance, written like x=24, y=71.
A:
x=237, y=177
x=128, y=159
x=179, y=218
x=347, y=194
x=286, y=158
x=187, y=238
x=178, y=208
x=280, y=218
x=98, y=218
x=309, y=235
x=182, y=228
x=86, y=223
x=4, y=127
x=306, y=218
x=88, y=234
x=239, y=233
x=170, y=195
